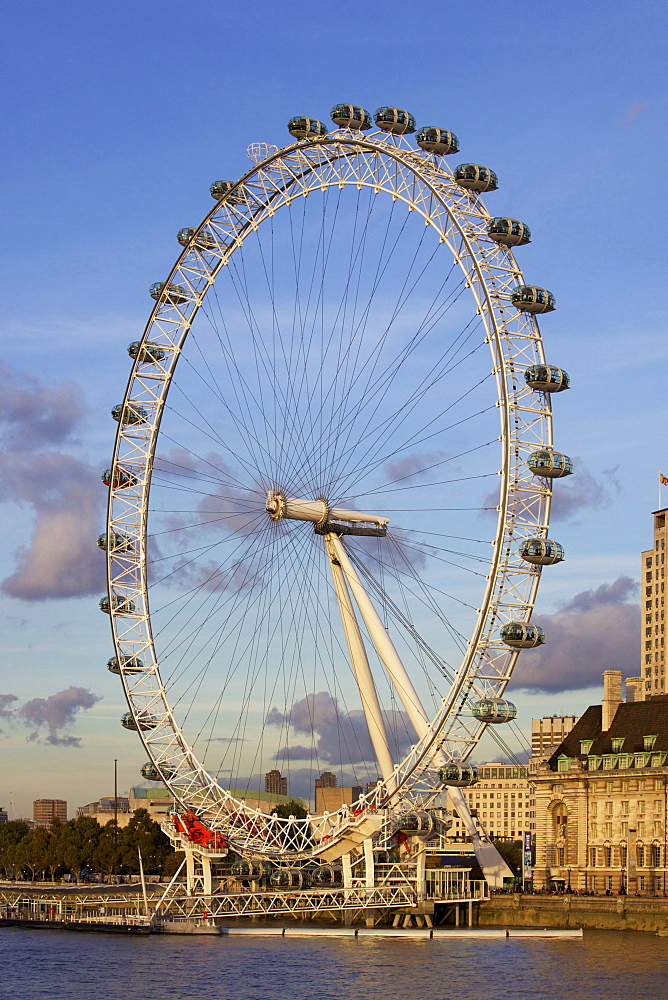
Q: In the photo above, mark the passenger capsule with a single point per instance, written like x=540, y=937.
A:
x=291, y=878
x=350, y=116
x=119, y=543
x=416, y=823
x=522, y=635
x=549, y=464
x=541, y=551
x=510, y=232
x=306, y=128
x=394, y=120
x=120, y=605
x=163, y=291
x=126, y=665
x=152, y=773
x=458, y=775
x=203, y=241
x=143, y=721
x=251, y=870
x=532, y=299
x=475, y=177
x=546, y=378
x=119, y=478
x=494, y=710
x=146, y=353
x=222, y=189
x=327, y=875
x=437, y=140
x=131, y=413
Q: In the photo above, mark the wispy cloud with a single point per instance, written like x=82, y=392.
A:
x=595, y=631
x=49, y=719
x=63, y=490
x=339, y=737
x=632, y=113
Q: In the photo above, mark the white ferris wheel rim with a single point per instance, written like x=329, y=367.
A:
x=424, y=185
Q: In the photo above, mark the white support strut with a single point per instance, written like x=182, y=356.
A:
x=490, y=860
x=360, y=663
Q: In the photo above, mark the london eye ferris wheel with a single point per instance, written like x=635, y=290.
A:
x=330, y=488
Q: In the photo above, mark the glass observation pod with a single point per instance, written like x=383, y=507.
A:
x=394, y=120
x=546, y=378
x=327, y=875
x=143, y=722
x=291, y=878
x=522, y=635
x=351, y=116
x=120, y=605
x=252, y=869
x=459, y=775
x=146, y=353
x=532, y=299
x=542, y=551
x=121, y=479
x=128, y=665
x=221, y=189
x=510, y=232
x=550, y=464
x=475, y=177
x=306, y=128
x=437, y=140
x=203, y=241
x=119, y=543
x=494, y=710
x=162, y=291
x=152, y=773
x=417, y=823
x=131, y=414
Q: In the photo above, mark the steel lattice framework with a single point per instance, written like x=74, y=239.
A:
x=424, y=185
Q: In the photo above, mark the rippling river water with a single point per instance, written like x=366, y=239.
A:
x=56, y=964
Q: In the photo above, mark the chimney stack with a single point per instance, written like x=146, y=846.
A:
x=634, y=689
x=612, y=696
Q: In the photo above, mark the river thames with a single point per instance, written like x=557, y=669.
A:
x=604, y=964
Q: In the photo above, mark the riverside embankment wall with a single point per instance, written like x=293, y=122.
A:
x=618, y=913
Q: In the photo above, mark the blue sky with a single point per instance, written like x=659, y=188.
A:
x=118, y=117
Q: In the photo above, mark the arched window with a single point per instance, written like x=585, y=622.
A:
x=560, y=819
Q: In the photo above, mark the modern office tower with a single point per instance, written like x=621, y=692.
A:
x=652, y=597
x=547, y=733
x=275, y=783
x=44, y=810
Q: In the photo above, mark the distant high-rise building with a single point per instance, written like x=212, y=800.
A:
x=275, y=783
x=3, y=816
x=326, y=780
x=653, y=650
x=329, y=798
x=45, y=810
x=547, y=733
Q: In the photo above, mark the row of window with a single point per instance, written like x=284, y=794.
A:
x=642, y=829
x=625, y=807
x=647, y=856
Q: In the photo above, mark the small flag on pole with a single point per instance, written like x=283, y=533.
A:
x=663, y=479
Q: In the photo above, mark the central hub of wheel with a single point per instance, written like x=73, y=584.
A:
x=325, y=518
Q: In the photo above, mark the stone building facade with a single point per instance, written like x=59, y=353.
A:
x=602, y=799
